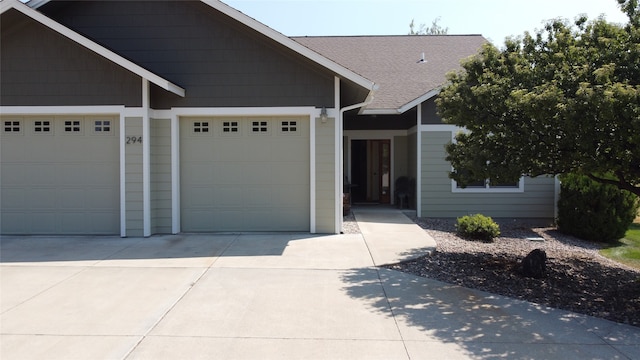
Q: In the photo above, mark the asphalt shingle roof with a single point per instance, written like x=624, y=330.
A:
x=392, y=62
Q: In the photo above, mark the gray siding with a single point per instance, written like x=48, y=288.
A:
x=216, y=59
x=325, y=176
x=133, y=176
x=41, y=67
x=160, y=176
x=438, y=200
x=429, y=112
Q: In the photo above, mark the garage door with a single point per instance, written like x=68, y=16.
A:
x=59, y=175
x=244, y=174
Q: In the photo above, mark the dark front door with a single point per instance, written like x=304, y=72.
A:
x=371, y=171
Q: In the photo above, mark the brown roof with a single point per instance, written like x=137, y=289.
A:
x=392, y=62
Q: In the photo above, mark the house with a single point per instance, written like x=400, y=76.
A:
x=144, y=117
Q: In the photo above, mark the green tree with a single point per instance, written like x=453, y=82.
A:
x=564, y=100
x=434, y=29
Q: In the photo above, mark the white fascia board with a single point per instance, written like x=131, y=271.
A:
x=291, y=44
x=413, y=103
x=379, y=112
x=98, y=49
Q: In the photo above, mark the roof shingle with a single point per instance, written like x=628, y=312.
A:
x=392, y=62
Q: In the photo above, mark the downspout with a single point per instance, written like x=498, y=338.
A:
x=340, y=189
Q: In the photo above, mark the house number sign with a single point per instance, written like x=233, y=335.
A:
x=130, y=140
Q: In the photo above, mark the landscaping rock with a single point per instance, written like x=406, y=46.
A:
x=534, y=265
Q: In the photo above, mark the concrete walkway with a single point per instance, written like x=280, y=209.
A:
x=274, y=296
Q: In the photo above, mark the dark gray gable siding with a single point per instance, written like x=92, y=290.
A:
x=41, y=67
x=430, y=112
x=218, y=61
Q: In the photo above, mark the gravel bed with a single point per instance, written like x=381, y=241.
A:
x=349, y=224
x=577, y=278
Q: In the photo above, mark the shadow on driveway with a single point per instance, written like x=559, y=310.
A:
x=29, y=249
x=486, y=326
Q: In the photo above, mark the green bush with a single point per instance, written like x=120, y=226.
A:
x=594, y=211
x=478, y=227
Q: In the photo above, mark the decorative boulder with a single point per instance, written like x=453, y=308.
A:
x=534, y=265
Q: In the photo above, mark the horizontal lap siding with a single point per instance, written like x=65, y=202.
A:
x=220, y=62
x=161, y=176
x=438, y=200
x=43, y=68
x=133, y=175
x=325, y=176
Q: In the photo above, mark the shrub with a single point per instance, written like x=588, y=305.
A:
x=478, y=227
x=594, y=211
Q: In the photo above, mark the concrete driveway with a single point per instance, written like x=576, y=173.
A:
x=270, y=296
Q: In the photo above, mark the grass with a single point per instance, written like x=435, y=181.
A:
x=627, y=250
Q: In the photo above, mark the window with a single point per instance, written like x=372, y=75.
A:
x=200, y=127
x=102, y=126
x=11, y=126
x=229, y=126
x=72, y=126
x=42, y=126
x=259, y=126
x=488, y=186
x=289, y=126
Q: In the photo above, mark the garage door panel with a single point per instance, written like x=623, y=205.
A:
x=288, y=173
x=258, y=196
x=227, y=196
x=12, y=197
x=285, y=196
x=71, y=199
x=12, y=222
x=39, y=174
x=199, y=171
x=201, y=196
x=42, y=222
x=101, y=199
x=224, y=172
x=46, y=198
x=252, y=174
x=13, y=173
x=257, y=173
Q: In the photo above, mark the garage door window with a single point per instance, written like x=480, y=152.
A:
x=72, y=126
x=289, y=127
x=259, y=127
x=12, y=126
x=201, y=127
x=230, y=127
x=42, y=126
x=102, y=126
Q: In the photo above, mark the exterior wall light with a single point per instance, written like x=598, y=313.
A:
x=323, y=115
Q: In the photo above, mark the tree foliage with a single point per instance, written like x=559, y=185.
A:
x=563, y=100
x=434, y=29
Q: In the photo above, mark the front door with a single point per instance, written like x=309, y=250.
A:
x=371, y=171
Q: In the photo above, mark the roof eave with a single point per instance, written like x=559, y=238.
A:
x=419, y=100
x=89, y=44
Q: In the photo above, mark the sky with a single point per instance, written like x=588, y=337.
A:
x=494, y=19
